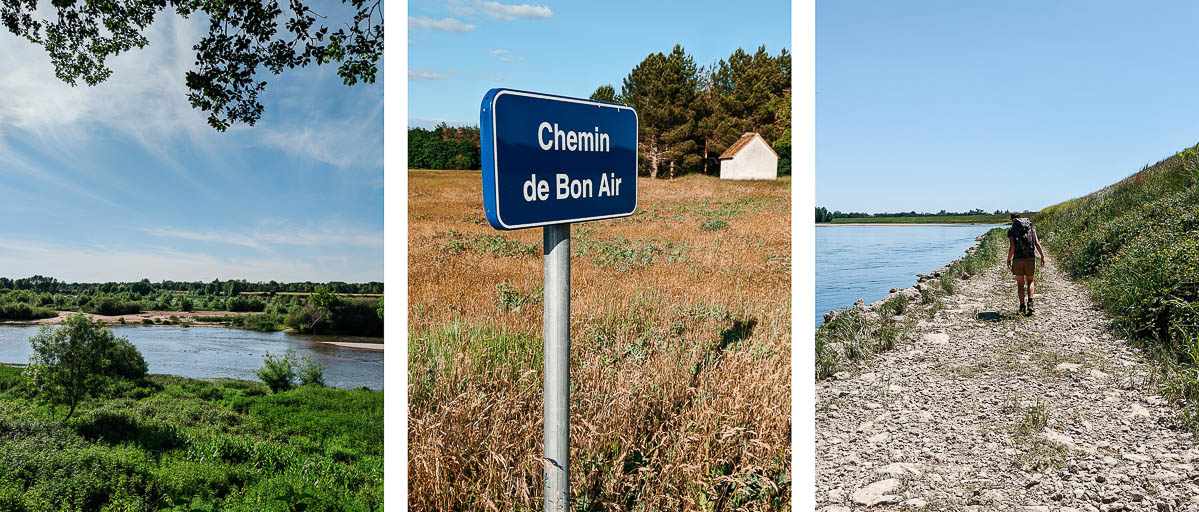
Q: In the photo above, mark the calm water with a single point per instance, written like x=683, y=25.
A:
x=867, y=261
x=203, y=352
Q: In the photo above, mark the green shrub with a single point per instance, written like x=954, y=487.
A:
x=111, y=306
x=311, y=372
x=715, y=225
x=23, y=311
x=78, y=359
x=279, y=373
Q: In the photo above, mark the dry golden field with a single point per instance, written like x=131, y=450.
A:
x=680, y=351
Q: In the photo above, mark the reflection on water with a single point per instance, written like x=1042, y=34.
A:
x=204, y=352
x=867, y=261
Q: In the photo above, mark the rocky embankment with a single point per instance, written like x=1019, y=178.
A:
x=912, y=292
x=984, y=409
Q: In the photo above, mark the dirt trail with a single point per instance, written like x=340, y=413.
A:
x=988, y=410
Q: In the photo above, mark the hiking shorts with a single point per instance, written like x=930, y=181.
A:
x=1024, y=266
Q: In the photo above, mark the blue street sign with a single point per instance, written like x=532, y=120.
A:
x=551, y=159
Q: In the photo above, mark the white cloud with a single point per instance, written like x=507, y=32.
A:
x=270, y=235
x=499, y=52
x=512, y=12
x=461, y=10
x=98, y=263
x=145, y=102
x=352, y=141
x=446, y=24
x=145, y=99
x=418, y=74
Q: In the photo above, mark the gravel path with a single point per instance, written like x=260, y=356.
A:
x=987, y=410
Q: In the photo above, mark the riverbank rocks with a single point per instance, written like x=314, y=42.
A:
x=1061, y=415
x=877, y=493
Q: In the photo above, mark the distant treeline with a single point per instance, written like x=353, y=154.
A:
x=823, y=215
x=275, y=305
x=444, y=147
x=214, y=287
x=688, y=114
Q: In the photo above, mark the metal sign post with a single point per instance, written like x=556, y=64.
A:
x=549, y=161
x=556, y=331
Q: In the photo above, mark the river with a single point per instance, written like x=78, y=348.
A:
x=867, y=261
x=207, y=352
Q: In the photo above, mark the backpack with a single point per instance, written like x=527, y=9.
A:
x=1022, y=233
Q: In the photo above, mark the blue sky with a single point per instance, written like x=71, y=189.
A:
x=459, y=49
x=125, y=180
x=997, y=105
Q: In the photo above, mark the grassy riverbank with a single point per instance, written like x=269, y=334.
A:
x=1135, y=245
x=680, y=351
x=857, y=333
x=181, y=444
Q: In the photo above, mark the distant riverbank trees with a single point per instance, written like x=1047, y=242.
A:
x=823, y=215
x=354, y=308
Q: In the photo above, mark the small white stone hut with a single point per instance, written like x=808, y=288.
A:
x=750, y=158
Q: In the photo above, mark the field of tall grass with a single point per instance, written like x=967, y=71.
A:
x=172, y=443
x=680, y=351
x=1136, y=246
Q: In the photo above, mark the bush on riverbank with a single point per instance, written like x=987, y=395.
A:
x=23, y=311
x=184, y=444
x=1136, y=246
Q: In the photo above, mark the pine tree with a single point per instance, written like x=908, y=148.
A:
x=604, y=93
x=664, y=90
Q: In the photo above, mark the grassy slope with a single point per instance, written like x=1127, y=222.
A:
x=1136, y=245
x=942, y=219
x=182, y=444
x=680, y=351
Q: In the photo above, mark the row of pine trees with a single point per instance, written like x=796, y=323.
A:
x=689, y=114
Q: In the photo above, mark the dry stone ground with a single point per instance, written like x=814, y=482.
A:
x=987, y=410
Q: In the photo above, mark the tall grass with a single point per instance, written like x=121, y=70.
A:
x=680, y=353
x=1135, y=244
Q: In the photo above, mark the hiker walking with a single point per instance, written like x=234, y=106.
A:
x=1021, y=258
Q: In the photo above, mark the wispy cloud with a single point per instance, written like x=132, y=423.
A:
x=270, y=235
x=418, y=74
x=348, y=142
x=444, y=24
x=510, y=12
x=99, y=263
x=500, y=52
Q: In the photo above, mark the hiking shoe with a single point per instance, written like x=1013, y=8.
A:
x=1022, y=309
x=1029, y=306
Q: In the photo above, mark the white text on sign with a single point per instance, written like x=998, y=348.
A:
x=566, y=188
x=571, y=141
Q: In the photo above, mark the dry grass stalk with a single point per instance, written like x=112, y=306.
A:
x=680, y=357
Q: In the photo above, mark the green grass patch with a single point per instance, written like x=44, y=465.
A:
x=1135, y=246
x=184, y=444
